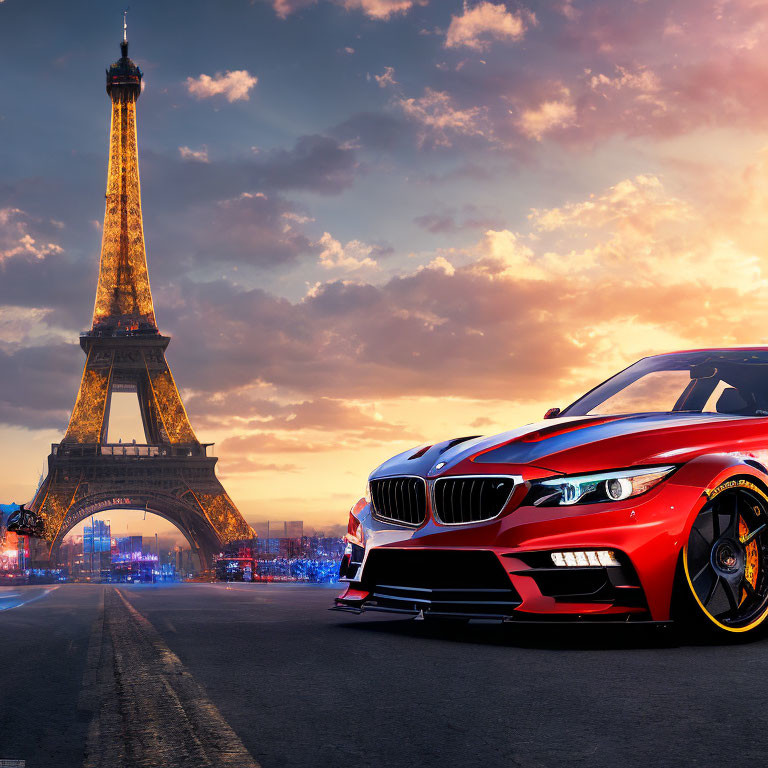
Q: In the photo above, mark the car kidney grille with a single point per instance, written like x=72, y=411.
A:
x=470, y=499
x=400, y=499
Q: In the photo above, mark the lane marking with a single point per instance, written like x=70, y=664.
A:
x=38, y=596
x=89, y=693
x=148, y=709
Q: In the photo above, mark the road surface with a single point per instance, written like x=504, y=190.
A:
x=257, y=675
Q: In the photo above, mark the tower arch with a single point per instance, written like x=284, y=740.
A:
x=202, y=539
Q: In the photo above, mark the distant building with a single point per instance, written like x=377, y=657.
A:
x=284, y=529
x=128, y=545
x=277, y=556
x=96, y=537
x=97, y=549
x=72, y=558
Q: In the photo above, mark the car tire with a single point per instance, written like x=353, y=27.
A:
x=722, y=578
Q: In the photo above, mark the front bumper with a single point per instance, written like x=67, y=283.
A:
x=484, y=584
x=502, y=569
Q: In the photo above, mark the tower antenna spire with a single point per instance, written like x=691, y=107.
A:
x=125, y=25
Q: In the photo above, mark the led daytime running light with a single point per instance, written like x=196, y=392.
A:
x=601, y=558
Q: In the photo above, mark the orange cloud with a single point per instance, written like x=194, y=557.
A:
x=16, y=239
x=234, y=86
x=439, y=118
x=549, y=115
x=376, y=9
x=198, y=155
x=352, y=257
x=382, y=9
x=479, y=25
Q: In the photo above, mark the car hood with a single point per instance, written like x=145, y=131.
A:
x=570, y=445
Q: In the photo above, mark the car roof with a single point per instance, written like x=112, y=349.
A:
x=734, y=348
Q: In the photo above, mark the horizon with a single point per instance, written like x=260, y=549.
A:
x=166, y=531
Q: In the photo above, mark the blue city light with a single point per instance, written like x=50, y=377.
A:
x=306, y=559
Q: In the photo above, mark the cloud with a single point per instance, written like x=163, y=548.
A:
x=246, y=408
x=257, y=229
x=547, y=116
x=641, y=79
x=261, y=444
x=641, y=203
x=246, y=466
x=36, y=273
x=39, y=385
x=315, y=163
x=450, y=221
x=19, y=325
x=234, y=86
x=284, y=8
x=352, y=257
x=376, y=131
x=381, y=9
x=376, y=9
x=198, y=155
x=485, y=22
x=16, y=240
x=387, y=78
x=518, y=316
x=440, y=119
x=598, y=70
x=658, y=72
x=306, y=428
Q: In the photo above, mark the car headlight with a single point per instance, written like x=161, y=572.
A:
x=601, y=487
x=367, y=493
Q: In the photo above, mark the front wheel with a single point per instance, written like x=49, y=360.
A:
x=725, y=560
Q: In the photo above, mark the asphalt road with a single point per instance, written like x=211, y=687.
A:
x=247, y=675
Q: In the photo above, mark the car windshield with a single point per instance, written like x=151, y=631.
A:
x=719, y=381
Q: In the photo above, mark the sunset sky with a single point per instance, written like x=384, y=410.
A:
x=375, y=223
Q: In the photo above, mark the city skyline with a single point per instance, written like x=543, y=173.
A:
x=352, y=208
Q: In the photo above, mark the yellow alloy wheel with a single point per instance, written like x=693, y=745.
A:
x=726, y=557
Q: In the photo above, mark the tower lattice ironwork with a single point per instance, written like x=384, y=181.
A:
x=171, y=474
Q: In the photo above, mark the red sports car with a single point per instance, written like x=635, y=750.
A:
x=644, y=501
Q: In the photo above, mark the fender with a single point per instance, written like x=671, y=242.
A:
x=708, y=471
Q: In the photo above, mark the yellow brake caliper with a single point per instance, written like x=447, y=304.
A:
x=752, y=559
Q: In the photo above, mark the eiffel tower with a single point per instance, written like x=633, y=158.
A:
x=171, y=475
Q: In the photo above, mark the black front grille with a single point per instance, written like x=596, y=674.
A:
x=401, y=499
x=470, y=499
x=439, y=582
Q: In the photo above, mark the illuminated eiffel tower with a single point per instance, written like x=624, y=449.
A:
x=171, y=474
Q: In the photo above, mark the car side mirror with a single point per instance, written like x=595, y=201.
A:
x=552, y=413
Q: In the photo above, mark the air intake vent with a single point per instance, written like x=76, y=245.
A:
x=400, y=499
x=471, y=499
x=439, y=582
